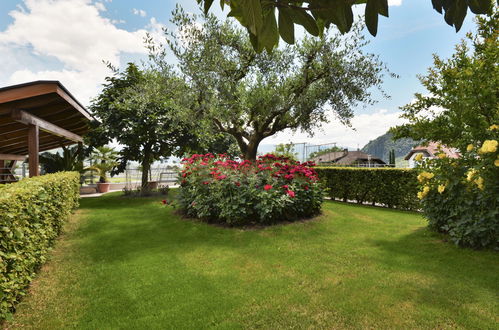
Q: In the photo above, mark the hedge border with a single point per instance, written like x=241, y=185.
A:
x=32, y=213
x=390, y=187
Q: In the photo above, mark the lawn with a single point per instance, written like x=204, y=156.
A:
x=131, y=263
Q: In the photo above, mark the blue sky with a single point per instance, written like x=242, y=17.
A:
x=68, y=40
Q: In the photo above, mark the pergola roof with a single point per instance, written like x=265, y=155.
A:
x=48, y=104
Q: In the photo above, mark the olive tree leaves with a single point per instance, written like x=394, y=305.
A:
x=259, y=16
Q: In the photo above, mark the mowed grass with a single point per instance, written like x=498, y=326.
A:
x=132, y=264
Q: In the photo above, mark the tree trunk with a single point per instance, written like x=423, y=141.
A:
x=252, y=148
x=146, y=166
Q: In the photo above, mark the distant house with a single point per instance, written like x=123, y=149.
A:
x=349, y=158
x=430, y=152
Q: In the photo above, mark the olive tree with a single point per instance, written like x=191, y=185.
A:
x=251, y=95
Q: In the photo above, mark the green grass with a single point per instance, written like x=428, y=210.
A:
x=131, y=263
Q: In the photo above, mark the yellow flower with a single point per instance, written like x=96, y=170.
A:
x=494, y=127
x=423, y=176
x=418, y=157
x=479, y=182
x=496, y=162
x=442, y=155
x=422, y=194
x=441, y=188
x=470, y=174
x=488, y=146
x=469, y=147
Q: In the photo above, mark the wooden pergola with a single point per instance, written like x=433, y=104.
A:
x=34, y=117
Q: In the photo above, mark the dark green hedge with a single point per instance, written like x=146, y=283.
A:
x=32, y=213
x=391, y=187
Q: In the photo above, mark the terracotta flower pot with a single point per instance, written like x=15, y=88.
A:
x=103, y=187
x=152, y=185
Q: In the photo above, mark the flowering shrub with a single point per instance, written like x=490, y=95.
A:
x=460, y=197
x=270, y=190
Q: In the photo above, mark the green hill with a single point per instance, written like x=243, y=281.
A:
x=381, y=146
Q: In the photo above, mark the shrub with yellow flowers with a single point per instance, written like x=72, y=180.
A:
x=460, y=197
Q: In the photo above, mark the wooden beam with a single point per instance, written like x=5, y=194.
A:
x=74, y=103
x=12, y=157
x=33, y=148
x=35, y=102
x=27, y=91
x=29, y=119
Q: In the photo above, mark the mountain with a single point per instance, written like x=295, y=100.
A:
x=381, y=146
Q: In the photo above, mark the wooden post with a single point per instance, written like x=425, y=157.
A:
x=2, y=176
x=33, y=146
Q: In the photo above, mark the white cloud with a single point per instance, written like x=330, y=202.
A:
x=140, y=12
x=394, y=2
x=69, y=40
x=368, y=126
x=100, y=6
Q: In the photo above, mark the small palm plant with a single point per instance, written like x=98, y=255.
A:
x=104, y=161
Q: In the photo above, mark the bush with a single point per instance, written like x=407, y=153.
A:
x=394, y=188
x=460, y=197
x=32, y=213
x=270, y=190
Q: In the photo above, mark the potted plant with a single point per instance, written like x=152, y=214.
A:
x=105, y=161
x=102, y=169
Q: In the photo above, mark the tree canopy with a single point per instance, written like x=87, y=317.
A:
x=251, y=96
x=461, y=105
x=140, y=109
x=259, y=16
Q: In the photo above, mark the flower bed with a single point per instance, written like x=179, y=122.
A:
x=270, y=190
x=460, y=197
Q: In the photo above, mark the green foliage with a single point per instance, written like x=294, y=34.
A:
x=394, y=188
x=460, y=197
x=271, y=190
x=324, y=151
x=381, y=146
x=251, y=96
x=68, y=160
x=32, y=213
x=105, y=160
x=141, y=110
x=461, y=101
x=259, y=16
x=286, y=150
x=391, y=157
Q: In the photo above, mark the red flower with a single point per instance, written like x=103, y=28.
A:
x=306, y=187
x=285, y=186
x=237, y=183
x=206, y=182
x=291, y=193
x=289, y=176
x=267, y=187
x=164, y=202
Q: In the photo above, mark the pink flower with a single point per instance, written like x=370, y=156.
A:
x=306, y=187
x=289, y=176
x=221, y=177
x=285, y=186
x=267, y=187
x=290, y=193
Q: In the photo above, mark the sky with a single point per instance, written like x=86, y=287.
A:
x=69, y=41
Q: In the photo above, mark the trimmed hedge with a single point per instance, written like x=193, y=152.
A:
x=32, y=213
x=391, y=187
